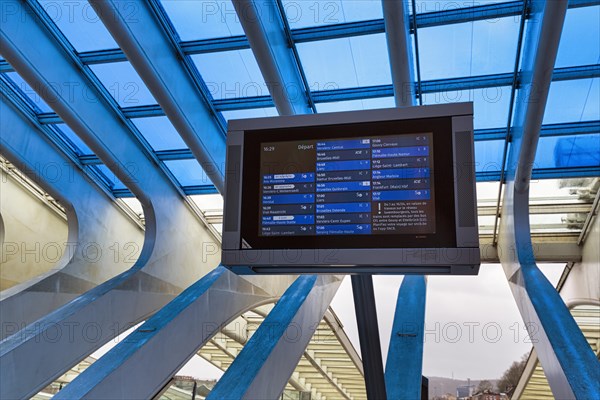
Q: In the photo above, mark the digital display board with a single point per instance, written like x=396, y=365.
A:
x=378, y=191
x=373, y=185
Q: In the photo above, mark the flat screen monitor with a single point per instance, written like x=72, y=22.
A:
x=378, y=191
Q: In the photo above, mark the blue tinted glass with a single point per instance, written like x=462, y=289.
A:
x=488, y=155
x=110, y=176
x=580, y=39
x=29, y=93
x=490, y=104
x=160, y=133
x=469, y=49
x=124, y=84
x=303, y=13
x=231, y=74
x=570, y=151
x=188, y=172
x=347, y=62
x=425, y=6
x=573, y=101
x=351, y=105
x=80, y=24
x=251, y=113
x=204, y=19
x=78, y=144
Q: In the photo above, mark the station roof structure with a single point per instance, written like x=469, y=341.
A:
x=465, y=51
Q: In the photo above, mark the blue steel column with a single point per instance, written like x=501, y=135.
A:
x=404, y=365
x=569, y=363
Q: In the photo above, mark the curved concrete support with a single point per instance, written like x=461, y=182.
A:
x=570, y=365
x=581, y=285
x=265, y=365
x=36, y=234
x=167, y=340
x=102, y=240
x=177, y=248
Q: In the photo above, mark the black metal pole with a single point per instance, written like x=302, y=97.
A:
x=368, y=332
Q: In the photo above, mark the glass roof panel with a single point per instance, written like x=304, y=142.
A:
x=80, y=24
x=580, y=39
x=350, y=105
x=250, y=113
x=34, y=98
x=347, y=62
x=160, y=133
x=302, y=14
x=188, y=172
x=573, y=101
x=424, y=6
x=124, y=84
x=110, y=177
x=488, y=155
x=468, y=49
x=570, y=151
x=78, y=145
x=490, y=104
x=195, y=20
x=231, y=74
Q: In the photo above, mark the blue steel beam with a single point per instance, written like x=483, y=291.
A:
x=265, y=30
x=258, y=371
x=167, y=340
x=172, y=79
x=562, y=129
x=487, y=176
x=569, y=363
x=365, y=92
x=333, y=31
x=404, y=366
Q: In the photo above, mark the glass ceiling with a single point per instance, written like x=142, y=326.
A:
x=354, y=66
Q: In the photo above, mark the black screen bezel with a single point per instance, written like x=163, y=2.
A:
x=442, y=178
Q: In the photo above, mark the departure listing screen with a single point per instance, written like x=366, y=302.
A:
x=373, y=185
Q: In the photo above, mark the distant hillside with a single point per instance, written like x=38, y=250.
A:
x=439, y=386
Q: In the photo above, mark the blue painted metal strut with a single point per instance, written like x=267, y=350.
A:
x=364, y=92
x=404, y=364
x=569, y=363
x=241, y=374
